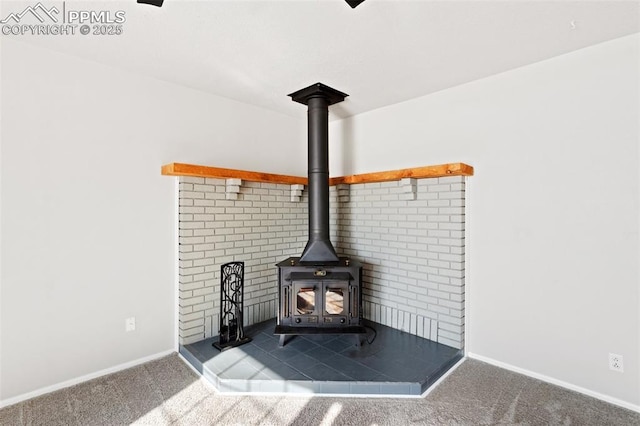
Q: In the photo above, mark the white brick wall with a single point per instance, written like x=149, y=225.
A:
x=408, y=234
x=261, y=227
x=412, y=246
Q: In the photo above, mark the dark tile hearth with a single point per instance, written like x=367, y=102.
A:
x=395, y=363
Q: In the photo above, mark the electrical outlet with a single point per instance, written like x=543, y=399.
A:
x=616, y=363
x=130, y=324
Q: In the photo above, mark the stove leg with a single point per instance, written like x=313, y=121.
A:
x=281, y=341
x=358, y=340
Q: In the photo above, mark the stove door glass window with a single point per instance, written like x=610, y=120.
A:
x=306, y=301
x=334, y=301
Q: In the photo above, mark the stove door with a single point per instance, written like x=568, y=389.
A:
x=306, y=309
x=335, y=306
x=334, y=300
x=306, y=301
x=319, y=303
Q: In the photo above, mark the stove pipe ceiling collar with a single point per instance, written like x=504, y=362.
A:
x=318, y=97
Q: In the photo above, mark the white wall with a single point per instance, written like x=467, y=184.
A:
x=553, y=211
x=87, y=219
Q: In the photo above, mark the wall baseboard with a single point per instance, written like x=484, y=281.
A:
x=551, y=380
x=77, y=380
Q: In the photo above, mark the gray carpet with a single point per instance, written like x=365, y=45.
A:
x=166, y=391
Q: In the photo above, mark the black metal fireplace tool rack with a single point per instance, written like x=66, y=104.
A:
x=231, y=306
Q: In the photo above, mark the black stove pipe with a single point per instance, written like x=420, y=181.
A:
x=318, y=97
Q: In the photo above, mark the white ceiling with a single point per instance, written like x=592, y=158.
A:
x=381, y=53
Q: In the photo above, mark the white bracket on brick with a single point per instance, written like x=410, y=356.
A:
x=296, y=193
x=343, y=192
x=233, y=188
x=409, y=188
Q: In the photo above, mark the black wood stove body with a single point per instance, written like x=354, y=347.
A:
x=321, y=298
x=319, y=292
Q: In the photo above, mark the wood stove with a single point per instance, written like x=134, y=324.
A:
x=319, y=292
x=319, y=298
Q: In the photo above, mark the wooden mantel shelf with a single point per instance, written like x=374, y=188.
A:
x=181, y=169
x=451, y=169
